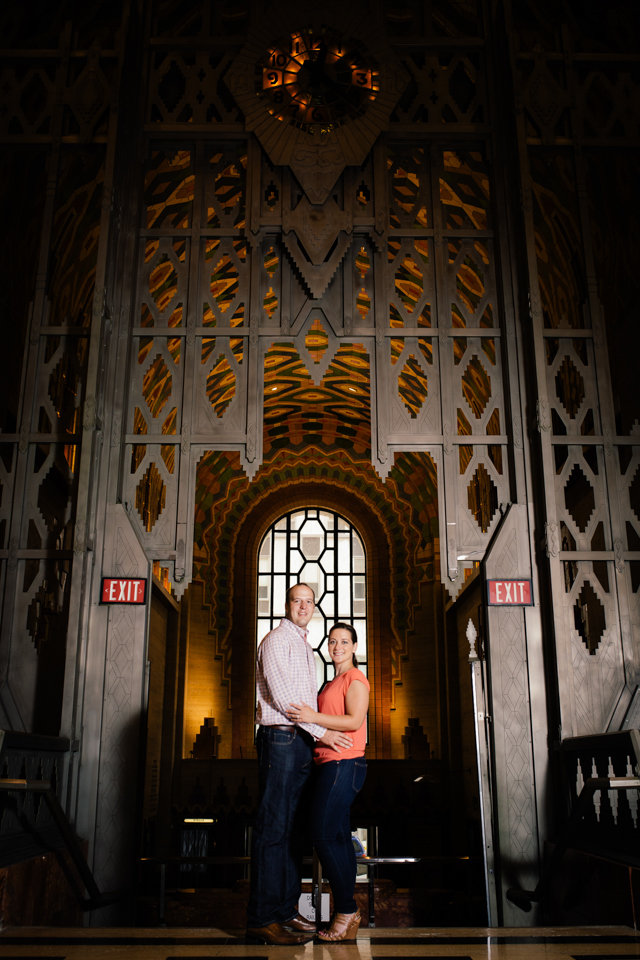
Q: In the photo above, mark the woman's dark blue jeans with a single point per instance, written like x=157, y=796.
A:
x=336, y=784
x=285, y=760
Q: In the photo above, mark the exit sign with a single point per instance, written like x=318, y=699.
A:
x=510, y=593
x=123, y=590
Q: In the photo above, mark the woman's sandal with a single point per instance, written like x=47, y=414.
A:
x=344, y=927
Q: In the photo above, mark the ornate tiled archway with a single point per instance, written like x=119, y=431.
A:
x=398, y=522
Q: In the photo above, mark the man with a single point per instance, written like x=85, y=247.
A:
x=286, y=673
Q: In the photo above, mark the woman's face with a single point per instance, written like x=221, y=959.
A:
x=341, y=646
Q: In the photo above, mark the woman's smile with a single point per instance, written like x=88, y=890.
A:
x=341, y=648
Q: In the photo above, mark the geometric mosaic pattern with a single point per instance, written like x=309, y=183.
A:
x=337, y=413
x=587, y=592
x=473, y=381
x=464, y=189
x=168, y=185
x=316, y=387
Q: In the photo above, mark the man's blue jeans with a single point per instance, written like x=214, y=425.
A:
x=285, y=760
x=334, y=789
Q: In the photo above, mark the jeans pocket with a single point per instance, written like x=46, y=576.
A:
x=280, y=738
x=359, y=774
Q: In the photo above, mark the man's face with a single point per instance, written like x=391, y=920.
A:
x=301, y=605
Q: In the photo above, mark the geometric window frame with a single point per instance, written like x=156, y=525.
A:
x=324, y=549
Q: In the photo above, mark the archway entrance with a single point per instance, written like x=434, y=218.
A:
x=397, y=596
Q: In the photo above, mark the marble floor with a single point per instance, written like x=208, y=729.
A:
x=564, y=943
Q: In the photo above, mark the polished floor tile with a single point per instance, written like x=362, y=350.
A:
x=557, y=943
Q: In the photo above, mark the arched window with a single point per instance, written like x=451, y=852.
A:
x=322, y=549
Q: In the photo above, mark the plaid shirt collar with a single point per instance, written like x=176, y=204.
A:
x=290, y=625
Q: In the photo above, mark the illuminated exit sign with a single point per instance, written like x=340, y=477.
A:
x=510, y=593
x=123, y=590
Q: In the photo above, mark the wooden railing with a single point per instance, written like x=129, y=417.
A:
x=603, y=791
x=31, y=816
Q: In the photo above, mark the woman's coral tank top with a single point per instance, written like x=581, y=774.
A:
x=332, y=700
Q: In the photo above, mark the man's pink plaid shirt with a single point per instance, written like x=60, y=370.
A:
x=286, y=674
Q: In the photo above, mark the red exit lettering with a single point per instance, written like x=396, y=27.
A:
x=123, y=590
x=510, y=593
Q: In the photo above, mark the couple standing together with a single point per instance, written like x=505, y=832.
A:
x=292, y=735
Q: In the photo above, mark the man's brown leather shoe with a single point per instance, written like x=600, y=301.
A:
x=301, y=923
x=275, y=933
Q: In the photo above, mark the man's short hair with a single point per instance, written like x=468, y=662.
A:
x=287, y=598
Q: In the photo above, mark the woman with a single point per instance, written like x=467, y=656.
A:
x=342, y=705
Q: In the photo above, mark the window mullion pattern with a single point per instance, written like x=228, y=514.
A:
x=322, y=549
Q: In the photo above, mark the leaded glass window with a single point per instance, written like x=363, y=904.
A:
x=322, y=549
